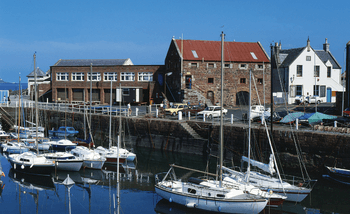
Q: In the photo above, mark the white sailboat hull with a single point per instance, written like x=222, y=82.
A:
x=211, y=203
x=69, y=165
x=93, y=164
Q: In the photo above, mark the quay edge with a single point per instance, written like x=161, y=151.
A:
x=319, y=148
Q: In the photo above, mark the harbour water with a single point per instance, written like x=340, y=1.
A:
x=94, y=191
x=12, y=86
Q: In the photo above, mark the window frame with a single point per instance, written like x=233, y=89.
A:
x=142, y=75
x=108, y=75
x=96, y=76
x=329, y=72
x=212, y=80
x=60, y=75
x=316, y=90
x=75, y=75
x=316, y=71
x=242, y=81
x=300, y=70
x=124, y=76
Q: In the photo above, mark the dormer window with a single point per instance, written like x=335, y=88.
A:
x=194, y=65
x=211, y=65
x=243, y=66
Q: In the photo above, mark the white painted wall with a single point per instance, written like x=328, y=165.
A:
x=308, y=80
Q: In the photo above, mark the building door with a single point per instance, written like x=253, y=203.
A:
x=78, y=94
x=188, y=81
x=242, y=98
x=329, y=95
x=108, y=96
x=210, y=96
x=62, y=94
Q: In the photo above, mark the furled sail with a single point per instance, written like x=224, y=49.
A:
x=270, y=168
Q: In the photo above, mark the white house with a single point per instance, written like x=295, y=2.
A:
x=41, y=78
x=305, y=72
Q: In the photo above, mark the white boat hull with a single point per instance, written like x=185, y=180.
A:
x=93, y=164
x=212, y=204
x=69, y=165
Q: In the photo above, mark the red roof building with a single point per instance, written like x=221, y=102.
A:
x=196, y=76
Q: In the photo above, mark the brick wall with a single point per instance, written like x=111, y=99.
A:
x=102, y=85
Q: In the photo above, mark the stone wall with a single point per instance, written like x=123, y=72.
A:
x=318, y=148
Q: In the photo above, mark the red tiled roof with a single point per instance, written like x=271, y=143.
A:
x=211, y=51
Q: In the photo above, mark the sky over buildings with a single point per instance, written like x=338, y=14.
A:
x=142, y=30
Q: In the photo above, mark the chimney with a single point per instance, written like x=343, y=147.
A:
x=308, y=44
x=280, y=46
x=326, y=46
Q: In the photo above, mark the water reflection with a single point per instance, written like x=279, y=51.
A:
x=94, y=191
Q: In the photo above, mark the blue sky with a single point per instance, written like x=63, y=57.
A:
x=142, y=30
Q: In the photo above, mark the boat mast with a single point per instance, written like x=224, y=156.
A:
x=221, y=103
x=90, y=94
x=119, y=138
x=36, y=108
x=110, y=117
x=249, y=122
x=19, y=108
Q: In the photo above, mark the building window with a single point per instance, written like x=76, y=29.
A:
x=322, y=91
x=62, y=76
x=308, y=58
x=299, y=71
x=242, y=80
x=299, y=91
x=96, y=76
x=228, y=65
x=126, y=92
x=243, y=66
x=317, y=71
x=329, y=71
x=211, y=65
x=210, y=80
x=145, y=76
x=260, y=81
x=260, y=66
x=110, y=76
x=194, y=65
x=316, y=90
x=127, y=76
x=77, y=76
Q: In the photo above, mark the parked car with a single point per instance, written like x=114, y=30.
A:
x=313, y=99
x=299, y=99
x=193, y=110
x=212, y=111
x=257, y=111
x=175, y=108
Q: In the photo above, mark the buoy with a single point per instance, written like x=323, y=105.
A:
x=170, y=200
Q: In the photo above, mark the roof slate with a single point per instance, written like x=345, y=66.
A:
x=292, y=54
x=233, y=51
x=325, y=56
x=87, y=62
x=39, y=73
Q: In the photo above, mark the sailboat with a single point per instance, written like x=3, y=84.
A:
x=206, y=194
x=270, y=179
x=28, y=161
x=114, y=152
x=233, y=176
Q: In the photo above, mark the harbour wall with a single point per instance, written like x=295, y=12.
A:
x=318, y=148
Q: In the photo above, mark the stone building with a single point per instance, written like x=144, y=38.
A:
x=71, y=81
x=193, y=72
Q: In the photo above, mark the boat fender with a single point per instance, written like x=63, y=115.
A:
x=14, y=166
x=191, y=205
x=22, y=167
x=31, y=166
x=170, y=200
x=219, y=208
